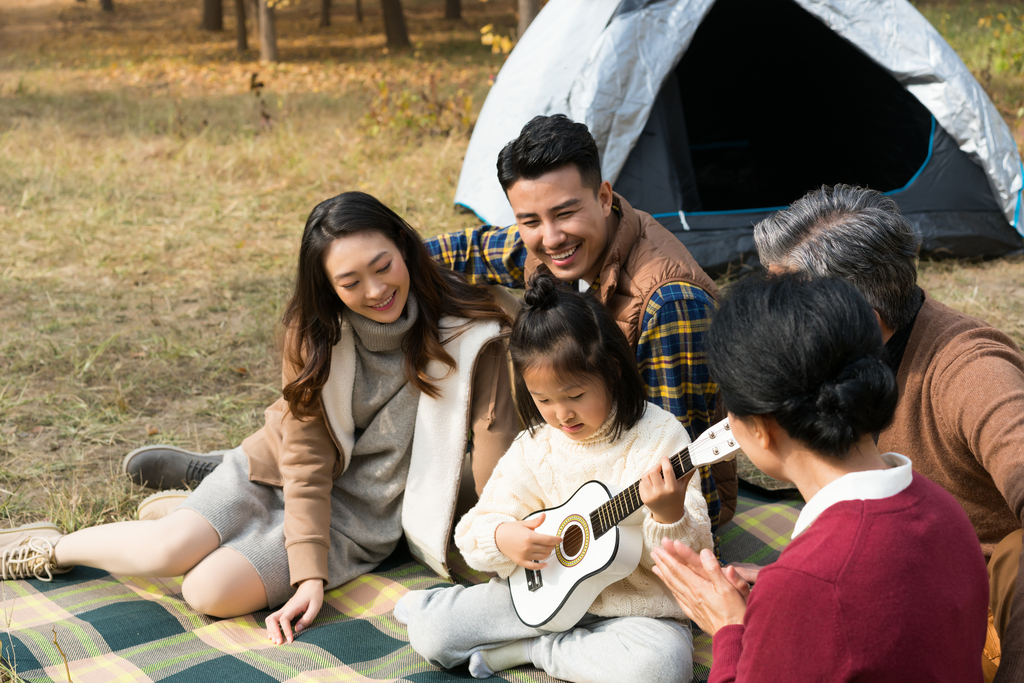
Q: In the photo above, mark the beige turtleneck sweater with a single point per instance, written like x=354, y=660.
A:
x=544, y=471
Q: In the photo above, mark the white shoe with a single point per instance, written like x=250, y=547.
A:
x=26, y=552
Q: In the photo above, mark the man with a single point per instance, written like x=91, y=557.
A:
x=960, y=416
x=571, y=221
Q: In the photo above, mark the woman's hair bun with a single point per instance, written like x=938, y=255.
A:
x=542, y=290
x=857, y=401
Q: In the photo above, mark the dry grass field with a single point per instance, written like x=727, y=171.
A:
x=151, y=203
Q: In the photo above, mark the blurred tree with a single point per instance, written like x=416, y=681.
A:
x=453, y=9
x=107, y=5
x=359, y=11
x=528, y=10
x=268, y=36
x=325, y=12
x=394, y=23
x=241, y=36
x=213, y=15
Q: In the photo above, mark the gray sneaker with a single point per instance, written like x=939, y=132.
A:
x=26, y=552
x=168, y=467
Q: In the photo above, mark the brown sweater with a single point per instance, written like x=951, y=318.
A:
x=961, y=418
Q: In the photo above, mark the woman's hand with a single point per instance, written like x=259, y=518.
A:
x=711, y=597
x=663, y=494
x=746, y=571
x=520, y=543
x=307, y=601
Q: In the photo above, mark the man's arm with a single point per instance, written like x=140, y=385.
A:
x=486, y=255
x=983, y=396
x=672, y=358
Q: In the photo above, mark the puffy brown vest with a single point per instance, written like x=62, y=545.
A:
x=641, y=257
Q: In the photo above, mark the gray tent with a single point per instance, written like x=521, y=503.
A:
x=710, y=115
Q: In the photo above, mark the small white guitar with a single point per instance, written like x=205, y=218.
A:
x=599, y=544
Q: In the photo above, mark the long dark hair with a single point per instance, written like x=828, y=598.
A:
x=577, y=336
x=808, y=352
x=313, y=315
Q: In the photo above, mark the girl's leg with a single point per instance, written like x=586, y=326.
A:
x=447, y=625
x=618, y=650
x=224, y=584
x=166, y=547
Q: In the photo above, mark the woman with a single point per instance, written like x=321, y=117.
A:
x=390, y=361
x=884, y=579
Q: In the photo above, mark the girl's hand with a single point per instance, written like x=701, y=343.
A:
x=663, y=494
x=307, y=601
x=711, y=597
x=520, y=543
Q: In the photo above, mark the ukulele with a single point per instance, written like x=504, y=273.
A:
x=602, y=541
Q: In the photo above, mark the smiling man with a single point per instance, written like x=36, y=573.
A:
x=570, y=220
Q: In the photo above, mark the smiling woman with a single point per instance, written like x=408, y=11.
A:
x=383, y=347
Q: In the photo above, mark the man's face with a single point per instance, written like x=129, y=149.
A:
x=562, y=222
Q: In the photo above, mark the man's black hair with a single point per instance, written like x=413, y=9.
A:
x=548, y=143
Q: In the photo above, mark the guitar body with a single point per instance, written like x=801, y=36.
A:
x=556, y=598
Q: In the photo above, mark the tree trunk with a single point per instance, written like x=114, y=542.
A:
x=253, y=31
x=213, y=15
x=241, y=36
x=528, y=10
x=268, y=35
x=325, y=12
x=453, y=9
x=359, y=11
x=107, y=5
x=394, y=23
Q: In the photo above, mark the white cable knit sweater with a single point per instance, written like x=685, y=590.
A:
x=544, y=471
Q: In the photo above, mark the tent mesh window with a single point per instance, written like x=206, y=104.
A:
x=771, y=103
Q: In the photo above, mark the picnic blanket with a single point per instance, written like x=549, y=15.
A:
x=95, y=627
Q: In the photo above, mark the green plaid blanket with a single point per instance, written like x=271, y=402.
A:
x=126, y=629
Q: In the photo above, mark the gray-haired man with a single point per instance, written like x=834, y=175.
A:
x=960, y=417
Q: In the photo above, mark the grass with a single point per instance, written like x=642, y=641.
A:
x=151, y=203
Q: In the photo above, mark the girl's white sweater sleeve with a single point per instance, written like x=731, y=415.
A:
x=510, y=494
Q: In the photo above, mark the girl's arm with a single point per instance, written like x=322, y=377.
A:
x=511, y=493
x=493, y=417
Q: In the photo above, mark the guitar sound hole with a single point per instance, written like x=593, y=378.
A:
x=572, y=540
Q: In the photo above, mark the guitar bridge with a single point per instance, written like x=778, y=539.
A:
x=533, y=580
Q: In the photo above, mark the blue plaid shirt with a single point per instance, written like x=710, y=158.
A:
x=670, y=353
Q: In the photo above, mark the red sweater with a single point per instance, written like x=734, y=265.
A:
x=873, y=590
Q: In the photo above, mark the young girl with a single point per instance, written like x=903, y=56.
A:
x=389, y=363
x=578, y=388
x=884, y=579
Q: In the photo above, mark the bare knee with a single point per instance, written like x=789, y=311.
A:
x=183, y=539
x=224, y=585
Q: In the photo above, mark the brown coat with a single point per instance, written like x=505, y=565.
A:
x=303, y=457
x=642, y=256
x=960, y=419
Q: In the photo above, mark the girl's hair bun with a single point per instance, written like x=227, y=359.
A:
x=542, y=291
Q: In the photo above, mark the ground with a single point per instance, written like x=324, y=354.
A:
x=154, y=185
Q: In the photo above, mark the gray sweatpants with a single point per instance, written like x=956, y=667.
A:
x=447, y=625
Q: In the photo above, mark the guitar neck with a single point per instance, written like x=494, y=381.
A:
x=621, y=506
x=714, y=445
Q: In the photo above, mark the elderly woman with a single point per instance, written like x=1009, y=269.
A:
x=884, y=579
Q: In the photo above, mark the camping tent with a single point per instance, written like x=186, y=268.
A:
x=711, y=114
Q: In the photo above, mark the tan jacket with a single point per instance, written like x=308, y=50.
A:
x=642, y=256
x=303, y=457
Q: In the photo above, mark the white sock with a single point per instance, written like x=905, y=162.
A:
x=402, y=611
x=485, y=663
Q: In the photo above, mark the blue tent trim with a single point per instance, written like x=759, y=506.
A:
x=770, y=209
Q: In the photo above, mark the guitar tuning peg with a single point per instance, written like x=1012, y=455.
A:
x=728, y=426
x=715, y=450
x=731, y=443
x=711, y=435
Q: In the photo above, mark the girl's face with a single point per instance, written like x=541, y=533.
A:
x=368, y=272
x=578, y=407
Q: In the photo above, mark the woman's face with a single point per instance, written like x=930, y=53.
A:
x=749, y=436
x=368, y=272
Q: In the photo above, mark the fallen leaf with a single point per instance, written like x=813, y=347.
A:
x=151, y=430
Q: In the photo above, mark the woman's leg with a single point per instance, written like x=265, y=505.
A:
x=166, y=547
x=224, y=584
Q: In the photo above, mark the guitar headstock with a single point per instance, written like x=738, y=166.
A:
x=717, y=444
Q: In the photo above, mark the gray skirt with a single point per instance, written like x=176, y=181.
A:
x=250, y=520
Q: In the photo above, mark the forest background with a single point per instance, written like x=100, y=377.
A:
x=154, y=182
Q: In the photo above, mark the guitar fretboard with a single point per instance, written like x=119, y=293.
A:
x=605, y=517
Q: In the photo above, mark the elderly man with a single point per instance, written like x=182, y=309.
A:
x=960, y=416
x=571, y=221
